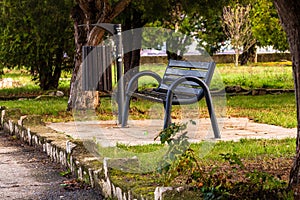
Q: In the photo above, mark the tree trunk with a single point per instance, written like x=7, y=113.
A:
x=49, y=74
x=237, y=55
x=289, y=14
x=248, y=55
x=132, y=43
x=48, y=79
x=89, y=12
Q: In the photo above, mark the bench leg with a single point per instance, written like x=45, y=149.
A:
x=212, y=114
x=125, y=111
x=167, y=117
x=213, y=118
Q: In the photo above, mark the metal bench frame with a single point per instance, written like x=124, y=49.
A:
x=183, y=82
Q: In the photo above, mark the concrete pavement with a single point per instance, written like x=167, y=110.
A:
x=140, y=132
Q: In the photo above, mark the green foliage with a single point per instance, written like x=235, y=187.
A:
x=200, y=19
x=36, y=34
x=265, y=180
x=266, y=25
x=205, y=24
x=233, y=159
x=179, y=158
x=203, y=20
x=167, y=135
x=66, y=173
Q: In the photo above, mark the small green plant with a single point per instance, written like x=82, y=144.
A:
x=211, y=193
x=66, y=173
x=265, y=181
x=179, y=158
x=233, y=160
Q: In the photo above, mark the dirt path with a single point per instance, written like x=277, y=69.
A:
x=26, y=173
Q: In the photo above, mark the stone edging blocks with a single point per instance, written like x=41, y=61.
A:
x=62, y=152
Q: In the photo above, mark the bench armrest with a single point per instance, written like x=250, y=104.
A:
x=139, y=75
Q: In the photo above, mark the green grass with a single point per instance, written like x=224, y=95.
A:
x=52, y=109
x=265, y=162
x=276, y=75
x=249, y=148
x=261, y=75
x=38, y=107
x=26, y=87
x=20, y=75
x=23, y=91
x=245, y=148
x=270, y=109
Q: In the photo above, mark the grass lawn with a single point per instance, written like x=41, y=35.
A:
x=271, y=109
x=259, y=75
x=229, y=169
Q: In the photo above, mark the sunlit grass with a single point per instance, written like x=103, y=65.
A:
x=270, y=109
x=51, y=109
x=258, y=76
x=249, y=148
x=273, y=75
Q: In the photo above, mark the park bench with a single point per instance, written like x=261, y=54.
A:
x=183, y=82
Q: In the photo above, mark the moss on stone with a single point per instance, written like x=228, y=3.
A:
x=140, y=185
x=185, y=194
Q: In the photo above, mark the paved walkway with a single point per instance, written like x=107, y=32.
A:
x=139, y=132
x=28, y=174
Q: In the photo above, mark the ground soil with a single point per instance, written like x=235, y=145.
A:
x=259, y=178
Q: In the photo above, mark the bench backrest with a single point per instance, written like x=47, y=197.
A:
x=179, y=68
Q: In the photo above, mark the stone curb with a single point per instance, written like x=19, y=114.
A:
x=238, y=90
x=62, y=151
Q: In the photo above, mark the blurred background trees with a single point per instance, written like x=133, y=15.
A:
x=37, y=35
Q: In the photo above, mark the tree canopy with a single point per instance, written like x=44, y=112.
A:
x=37, y=35
x=266, y=25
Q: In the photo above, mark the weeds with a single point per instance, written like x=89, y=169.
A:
x=237, y=183
x=231, y=181
x=179, y=158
